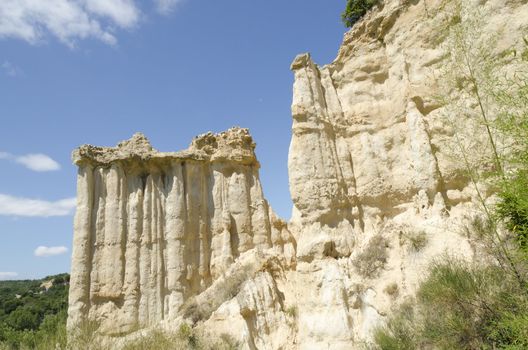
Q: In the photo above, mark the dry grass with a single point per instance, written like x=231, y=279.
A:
x=157, y=340
x=85, y=337
x=184, y=339
x=392, y=289
x=292, y=311
x=373, y=258
x=416, y=240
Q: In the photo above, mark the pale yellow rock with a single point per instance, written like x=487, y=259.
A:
x=154, y=229
x=371, y=155
x=166, y=238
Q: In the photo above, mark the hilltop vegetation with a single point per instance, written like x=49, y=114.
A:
x=33, y=312
x=33, y=316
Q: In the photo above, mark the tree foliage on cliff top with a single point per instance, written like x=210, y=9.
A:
x=355, y=9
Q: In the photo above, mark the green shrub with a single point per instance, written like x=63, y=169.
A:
x=23, y=319
x=355, y=9
x=399, y=333
x=510, y=331
x=460, y=306
x=513, y=207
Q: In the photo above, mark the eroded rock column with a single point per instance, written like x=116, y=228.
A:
x=154, y=229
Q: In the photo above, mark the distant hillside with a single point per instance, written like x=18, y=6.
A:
x=32, y=309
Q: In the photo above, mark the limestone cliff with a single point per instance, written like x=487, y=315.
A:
x=153, y=229
x=377, y=192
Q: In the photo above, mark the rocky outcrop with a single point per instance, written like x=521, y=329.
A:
x=372, y=126
x=378, y=193
x=153, y=229
x=373, y=166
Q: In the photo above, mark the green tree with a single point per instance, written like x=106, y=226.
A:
x=355, y=9
x=22, y=319
x=32, y=317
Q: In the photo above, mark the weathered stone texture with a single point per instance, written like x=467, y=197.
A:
x=153, y=229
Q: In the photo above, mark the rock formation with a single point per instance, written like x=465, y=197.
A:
x=153, y=229
x=377, y=193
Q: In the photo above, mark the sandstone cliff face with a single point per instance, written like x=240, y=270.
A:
x=369, y=133
x=372, y=166
x=153, y=229
x=188, y=236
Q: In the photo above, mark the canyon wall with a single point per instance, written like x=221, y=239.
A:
x=379, y=193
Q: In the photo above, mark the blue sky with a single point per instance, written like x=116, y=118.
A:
x=96, y=71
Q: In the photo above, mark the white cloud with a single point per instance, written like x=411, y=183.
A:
x=38, y=162
x=165, y=7
x=17, y=206
x=45, y=252
x=123, y=12
x=67, y=20
x=34, y=161
x=10, y=69
x=7, y=275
